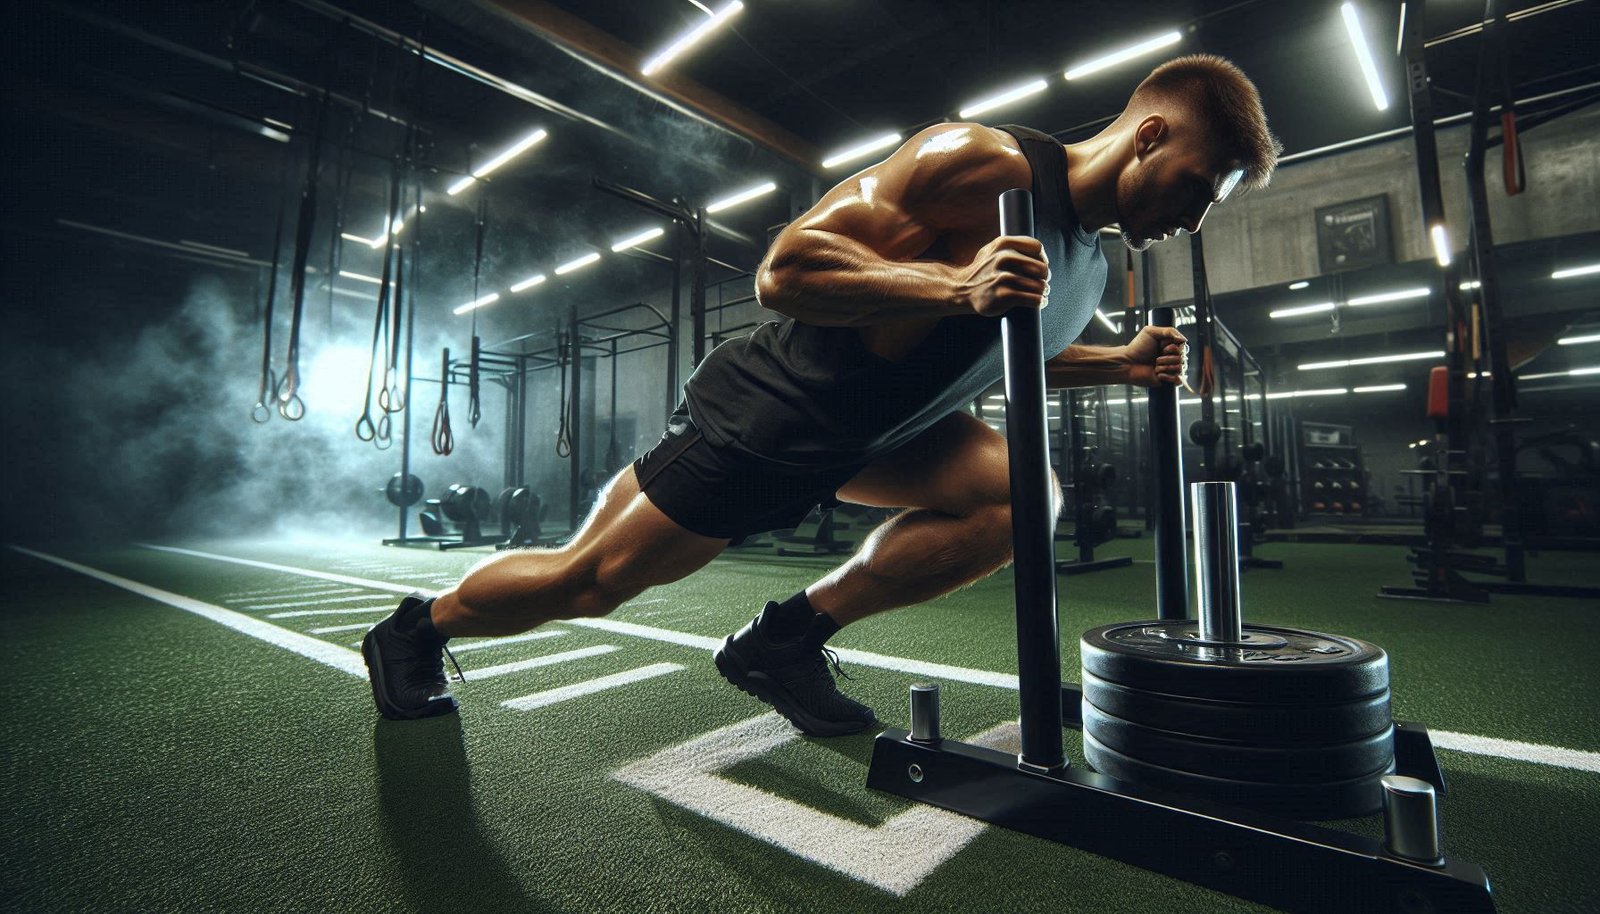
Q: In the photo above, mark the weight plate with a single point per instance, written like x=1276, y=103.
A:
x=403, y=490
x=1242, y=720
x=1241, y=760
x=1310, y=668
x=1359, y=796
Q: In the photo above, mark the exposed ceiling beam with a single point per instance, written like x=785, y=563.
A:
x=621, y=61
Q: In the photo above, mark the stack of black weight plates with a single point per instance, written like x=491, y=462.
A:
x=1297, y=726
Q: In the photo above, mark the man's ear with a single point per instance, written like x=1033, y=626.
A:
x=1149, y=135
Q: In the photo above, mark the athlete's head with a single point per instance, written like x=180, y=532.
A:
x=1197, y=133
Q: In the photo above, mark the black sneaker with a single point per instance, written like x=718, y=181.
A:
x=794, y=678
x=405, y=662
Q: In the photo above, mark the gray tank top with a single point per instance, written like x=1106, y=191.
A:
x=801, y=395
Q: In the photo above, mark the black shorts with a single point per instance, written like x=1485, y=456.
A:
x=724, y=493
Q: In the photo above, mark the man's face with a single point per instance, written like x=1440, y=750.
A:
x=1170, y=189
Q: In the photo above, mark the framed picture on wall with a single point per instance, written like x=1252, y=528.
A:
x=1354, y=234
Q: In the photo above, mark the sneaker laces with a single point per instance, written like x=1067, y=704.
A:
x=833, y=658
x=460, y=676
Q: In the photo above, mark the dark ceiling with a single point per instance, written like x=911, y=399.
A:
x=156, y=119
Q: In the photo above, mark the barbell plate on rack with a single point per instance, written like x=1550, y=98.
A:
x=1242, y=760
x=1308, y=668
x=1261, y=721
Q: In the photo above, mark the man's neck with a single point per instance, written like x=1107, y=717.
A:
x=1092, y=167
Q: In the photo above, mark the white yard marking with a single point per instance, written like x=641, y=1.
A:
x=894, y=856
x=578, y=690
x=287, y=593
x=257, y=607
x=489, y=672
x=306, y=646
x=348, y=611
x=509, y=639
x=287, y=569
x=1576, y=759
x=865, y=658
x=330, y=629
x=1524, y=752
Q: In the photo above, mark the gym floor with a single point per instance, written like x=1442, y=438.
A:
x=189, y=728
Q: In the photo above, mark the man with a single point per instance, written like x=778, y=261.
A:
x=889, y=287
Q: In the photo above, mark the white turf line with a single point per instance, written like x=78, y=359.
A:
x=257, y=607
x=286, y=593
x=330, y=629
x=1555, y=756
x=489, y=672
x=349, y=611
x=495, y=642
x=306, y=646
x=578, y=690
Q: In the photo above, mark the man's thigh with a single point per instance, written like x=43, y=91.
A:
x=956, y=467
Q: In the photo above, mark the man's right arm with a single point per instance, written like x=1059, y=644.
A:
x=850, y=260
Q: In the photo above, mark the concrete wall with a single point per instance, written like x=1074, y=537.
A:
x=1269, y=236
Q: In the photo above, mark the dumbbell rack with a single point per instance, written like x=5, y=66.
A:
x=1329, y=458
x=1291, y=865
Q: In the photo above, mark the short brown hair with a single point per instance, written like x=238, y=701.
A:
x=1227, y=101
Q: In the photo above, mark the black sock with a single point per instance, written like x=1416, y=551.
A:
x=421, y=616
x=795, y=618
x=788, y=620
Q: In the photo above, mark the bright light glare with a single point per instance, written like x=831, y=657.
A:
x=638, y=239
x=1441, y=245
x=1570, y=272
x=580, y=263
x=1301, y=309
x=1129, y=53
x=1383, y=297
x=861, y=150
x=741, y=197
x=1004, y=98
x=528, y=283
x=489, y=299
x=688, y=39
x=1358, y=40
x=1374, y=360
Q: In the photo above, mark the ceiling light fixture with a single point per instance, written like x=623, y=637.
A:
x=741, y=197
x=1374, y=360
x=1301, y=309
x=1115, y=57
x=638, y=239
x=690, y=38
x=489, y=299
x=528, y=283
x=1570, y=272
x=511, y=152
x=578, y=264
x=1384, y=297
x=1003, y=98
x=1358, y=40
x=861, y=150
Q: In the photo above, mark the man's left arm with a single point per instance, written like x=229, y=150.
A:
x=1158, y=356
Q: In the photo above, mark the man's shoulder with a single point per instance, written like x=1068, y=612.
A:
x=967, y=157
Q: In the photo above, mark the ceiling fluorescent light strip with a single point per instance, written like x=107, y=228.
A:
x=529, y=283
x=1358, y=40
x=1107, y=321
x=1003, y=98
x=1378, y=388
x=489, y=299
x=516, y=149
x=1441, y=245
x=1385, y=297
x=741, y=197
x=690, y=38
x=578, y=264
x=1374, y=360
x=1570, y=272
x=1301, y=309
x=638, y=239
x=861, y=150
x=361, y=276
x=1110, y=60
